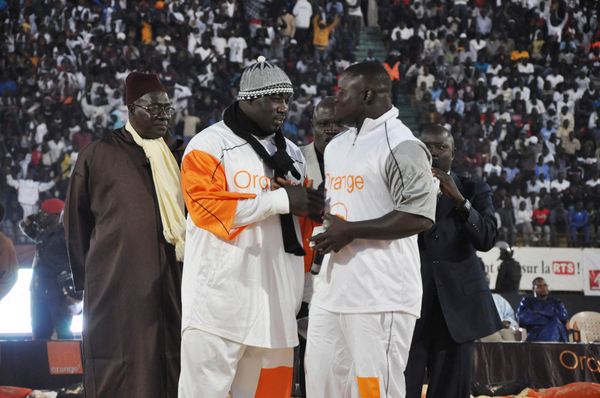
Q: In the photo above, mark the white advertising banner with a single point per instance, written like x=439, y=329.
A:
x=562, y=268
x=591, y=272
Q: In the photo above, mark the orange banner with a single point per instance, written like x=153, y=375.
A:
x=543, y=365
x=64, y=357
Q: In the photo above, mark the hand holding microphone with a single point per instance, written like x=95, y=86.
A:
x=315, y=268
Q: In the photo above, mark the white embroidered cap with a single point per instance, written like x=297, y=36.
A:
x=263, y=78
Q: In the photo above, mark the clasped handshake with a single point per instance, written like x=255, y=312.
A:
x=308, y=202
x=304, y=200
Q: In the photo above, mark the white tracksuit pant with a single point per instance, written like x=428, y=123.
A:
x=357, y=355
x=211, y=366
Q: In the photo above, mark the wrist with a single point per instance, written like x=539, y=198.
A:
x=459, y=201
x=281, y=201
x=464, y=207
x=350, y=230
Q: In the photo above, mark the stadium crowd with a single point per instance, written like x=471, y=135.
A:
x=516, y=82
x=517, y=85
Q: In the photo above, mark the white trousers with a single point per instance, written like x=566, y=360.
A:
x=211, y=366
x=28, y=209
x=357, y=355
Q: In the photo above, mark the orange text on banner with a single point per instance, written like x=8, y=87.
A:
x=64, y=357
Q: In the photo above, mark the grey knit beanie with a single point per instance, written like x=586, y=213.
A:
x=263, y=78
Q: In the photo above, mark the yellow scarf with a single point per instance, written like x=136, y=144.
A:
x=167, y=183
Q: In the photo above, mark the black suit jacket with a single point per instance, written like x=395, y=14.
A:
x=450, y=267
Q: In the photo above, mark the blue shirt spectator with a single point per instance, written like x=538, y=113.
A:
x=435, y=93
x=10, y=84
x=544, y=318
x=578, y=218
x=511, y=170
x=548, y=131
x=543, y=169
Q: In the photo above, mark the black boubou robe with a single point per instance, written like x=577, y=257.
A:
x=129, y=274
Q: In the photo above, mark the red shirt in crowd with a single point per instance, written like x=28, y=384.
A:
x=541, y=217
x=82, y=139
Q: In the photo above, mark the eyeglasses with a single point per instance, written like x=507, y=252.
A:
x=157, y=109
x=542, y=285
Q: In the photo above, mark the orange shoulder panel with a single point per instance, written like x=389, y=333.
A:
x=208, y=202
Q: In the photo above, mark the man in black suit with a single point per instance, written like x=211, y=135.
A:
x=457, y=304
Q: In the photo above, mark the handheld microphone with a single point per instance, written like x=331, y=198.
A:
x=315, y=268
x=436, y=163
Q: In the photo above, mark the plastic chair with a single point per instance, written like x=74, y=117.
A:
x=587, y=323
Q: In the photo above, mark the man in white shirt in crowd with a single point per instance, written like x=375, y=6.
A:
x=593, y=122
x=236, y=45
x=525, y=69
x=499, y=79
x=560, y=183
x=219, y=42
x=367, y=296
x=565, y=101
x=484, y=23
x=554, y=78
x=582, y=80
x=29, y=191
x=542, y=182
x=354, y=21
x=536, y=104
x=523, y=222
x=426, y=78
x=524, y=90
x=303, y=13
x=595, y=180
x=401, y=34
x=493, y=168
x=56, y=146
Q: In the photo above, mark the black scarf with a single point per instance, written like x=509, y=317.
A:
x=280, y=162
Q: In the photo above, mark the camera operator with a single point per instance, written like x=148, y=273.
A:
x=51, y=280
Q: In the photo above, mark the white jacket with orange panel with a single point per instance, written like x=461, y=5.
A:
x=238, y=282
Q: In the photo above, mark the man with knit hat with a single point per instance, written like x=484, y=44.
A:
x=47, y=297
x=125, y=227
x=244, y=184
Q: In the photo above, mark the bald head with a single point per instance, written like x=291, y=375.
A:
x=440, y=144
x=438, y=129
x=324, y=123
x=327, y=104
x=364, y=92
x=373, y=75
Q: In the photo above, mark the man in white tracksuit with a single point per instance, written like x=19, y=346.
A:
x=243, y=272
x=367, y=296
x=29, y=191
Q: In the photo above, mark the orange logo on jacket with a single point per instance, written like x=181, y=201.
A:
x=243, y=180
x=348, y=183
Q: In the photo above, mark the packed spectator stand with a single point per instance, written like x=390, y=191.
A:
x=516, y=82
